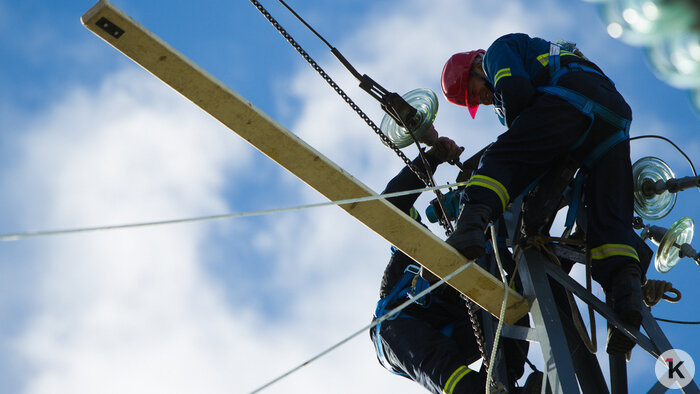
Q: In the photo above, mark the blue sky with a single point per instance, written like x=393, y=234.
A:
x=88, y=138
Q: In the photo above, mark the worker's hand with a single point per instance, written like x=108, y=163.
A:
x=445, y=149
x=430, y=136
x=654, y=290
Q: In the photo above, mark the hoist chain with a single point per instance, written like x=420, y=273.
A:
x=420, y=174
x=426, y=179
x=478, y=332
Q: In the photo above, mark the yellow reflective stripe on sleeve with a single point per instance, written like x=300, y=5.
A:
x=413, y=213
x=544, y=58
x=456, y=376
x=504, y=72
x=610, y=250
x=493, y=185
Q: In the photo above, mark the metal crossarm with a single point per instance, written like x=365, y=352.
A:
x=568, y=366
x=292, y=153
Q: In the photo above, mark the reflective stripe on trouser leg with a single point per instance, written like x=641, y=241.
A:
x=493, y=185
x=610, y=250
x=456, y=376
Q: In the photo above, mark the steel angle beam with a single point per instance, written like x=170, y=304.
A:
x=292, y=153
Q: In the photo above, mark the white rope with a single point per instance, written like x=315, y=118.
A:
x=29, y=234
x=503, y=309
x=367, y=327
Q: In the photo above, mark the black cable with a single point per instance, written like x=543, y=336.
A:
x=676, y=321
x=692, y=167
x=375, y=91
x=306, y=24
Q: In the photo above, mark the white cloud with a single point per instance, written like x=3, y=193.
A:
x=138, y=310
x=126, y=310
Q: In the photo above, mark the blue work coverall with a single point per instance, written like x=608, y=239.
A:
x=432, y=342
x=544, y=128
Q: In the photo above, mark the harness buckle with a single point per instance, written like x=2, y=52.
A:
x=412, y=268
x=554, y=52
x=554, y=49
x=417, y=285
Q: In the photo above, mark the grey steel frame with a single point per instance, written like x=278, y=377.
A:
x=568, y=365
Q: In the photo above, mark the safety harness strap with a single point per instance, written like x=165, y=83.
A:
x=574, y=67
x=410, y=285
x=556, y=72
x=591, y=109
x=402, y=289
x=587, y=106
x=577, y=190
x=554, y=51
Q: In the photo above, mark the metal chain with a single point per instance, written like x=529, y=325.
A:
x=471, y=307
x=478, y=333
x=420, y=174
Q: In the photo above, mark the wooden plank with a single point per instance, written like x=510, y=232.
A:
x=292, y=153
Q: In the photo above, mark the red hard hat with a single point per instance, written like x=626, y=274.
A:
x=455, y=78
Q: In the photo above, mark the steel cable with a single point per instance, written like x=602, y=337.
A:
x=426, y=179
x=365, y=328
x=30, y=234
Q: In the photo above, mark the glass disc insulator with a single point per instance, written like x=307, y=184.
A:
x=654, y=206
x=426, y=102
x=680, y=233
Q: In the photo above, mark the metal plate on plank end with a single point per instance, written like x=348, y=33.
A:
x=107, y=25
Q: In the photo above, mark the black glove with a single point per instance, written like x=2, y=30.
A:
x=444, y=149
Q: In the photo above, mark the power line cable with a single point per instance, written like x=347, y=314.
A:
x=365, y=328
x=690, y=162
x=676, y=321
x=30, y=234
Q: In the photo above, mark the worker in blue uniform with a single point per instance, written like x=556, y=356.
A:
x=432, y=341
x=555, y=102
